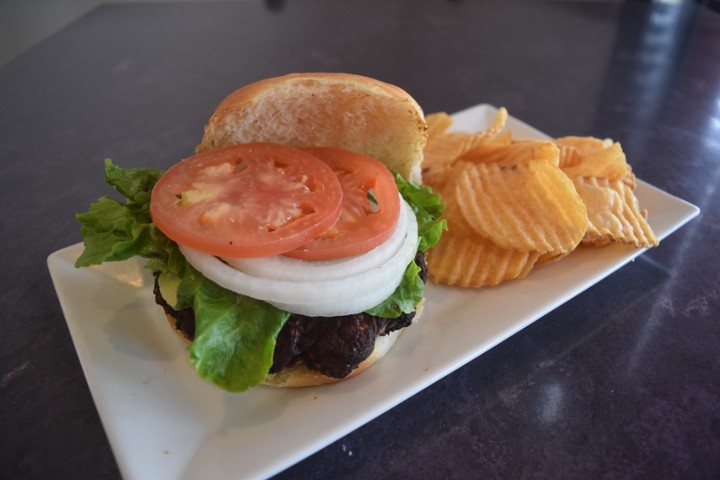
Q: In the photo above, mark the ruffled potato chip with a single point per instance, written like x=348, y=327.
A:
x=530, y=207
x=607, y=163
x=512, y=205
x=513, y=153
x=443, y=148
x=614, y=214
x=438, y=123
x=476, y=262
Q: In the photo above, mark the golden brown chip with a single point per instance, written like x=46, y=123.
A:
x=498, y=125
x=514, y=205
x=572, y=149
x=551, y=257
x=514, y=153
x=438, y=123
x=607, y=163
x=630, y=180
x=443, y=147
x=583, y=145
x=503, y=138
x=452, y=213
x=466, y=259
x=569, y=156
x=613, y=213
x=440, y=153
x=531, y=207
x=476, y=262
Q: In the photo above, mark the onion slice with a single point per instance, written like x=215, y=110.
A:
x=353, y=293
x=280, y=267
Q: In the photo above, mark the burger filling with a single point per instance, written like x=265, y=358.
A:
x=332, y=346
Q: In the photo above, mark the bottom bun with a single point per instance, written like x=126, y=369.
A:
x=302, y=376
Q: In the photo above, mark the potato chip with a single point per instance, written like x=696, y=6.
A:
x=476, y=262
x=440, y=154
x=495, y=128
x=443, y=147
x=572, y=149
x=569, y=156
x=607, y=163
x=529, y=207
x=513, y=205
x=437, y=123
x=630, y=179
x=551, y=257
x=514, y=153
x=583, y=145
x=452, y=213
x=502, y=138
x=613, y=213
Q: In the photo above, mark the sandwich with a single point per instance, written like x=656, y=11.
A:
x=289, y=249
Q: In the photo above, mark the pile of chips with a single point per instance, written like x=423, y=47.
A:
x=512, y=205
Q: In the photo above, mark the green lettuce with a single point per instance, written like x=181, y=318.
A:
x=234, y=334
x=428, y=208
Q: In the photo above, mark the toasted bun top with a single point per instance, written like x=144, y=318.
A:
x=325, y=109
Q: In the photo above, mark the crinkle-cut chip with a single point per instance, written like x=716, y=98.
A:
x=497, y=126
x=583, y=145
x=514, y=153
x=569, y=156
x=476, y=262
x=439, y=155
x=444, y=147
x=607, y=163
x=503, y=138
x=550, y=257
x=438, y=123
x=613, y=213
x=573, y=148
x=530, y=207
x=455, y=219
x=630, y=180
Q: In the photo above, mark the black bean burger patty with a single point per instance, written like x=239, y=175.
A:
x=333, y=346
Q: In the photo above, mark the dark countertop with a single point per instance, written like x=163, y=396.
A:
x=623, y=381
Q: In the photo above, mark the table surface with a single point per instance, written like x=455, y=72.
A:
x=635, y=359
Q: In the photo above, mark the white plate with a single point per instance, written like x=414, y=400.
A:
x=164, y=422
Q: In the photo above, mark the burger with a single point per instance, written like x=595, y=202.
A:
x=289, y=249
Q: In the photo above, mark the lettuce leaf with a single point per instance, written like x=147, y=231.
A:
x=405, y=297
x=234, y=334
x=114, y=231
x=428, y=208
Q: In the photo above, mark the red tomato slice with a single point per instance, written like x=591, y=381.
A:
x=248, y=200
x=370, y=207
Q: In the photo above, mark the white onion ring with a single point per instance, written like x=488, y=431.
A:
x=352, y=294
x=279, y=267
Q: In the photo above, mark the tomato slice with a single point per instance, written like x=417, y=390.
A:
x=248, y=200
x=370, y=207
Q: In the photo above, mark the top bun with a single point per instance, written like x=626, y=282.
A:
x=325, y=109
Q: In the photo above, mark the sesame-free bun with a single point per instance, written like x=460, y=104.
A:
x=325, y=109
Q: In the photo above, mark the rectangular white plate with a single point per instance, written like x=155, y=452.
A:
x=164, y=422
